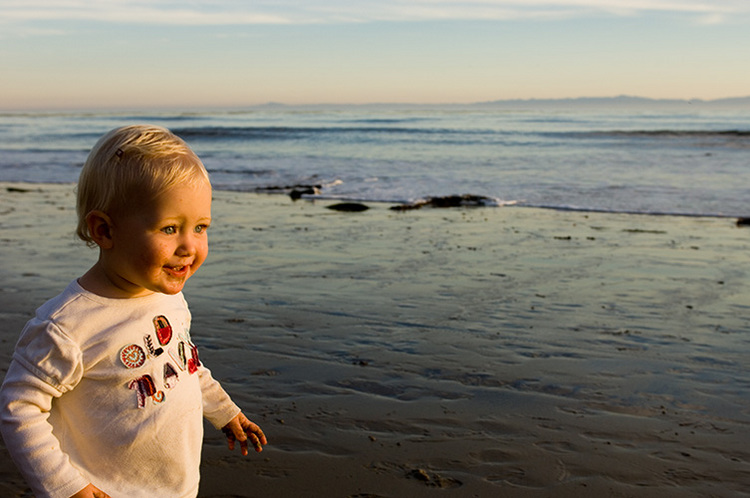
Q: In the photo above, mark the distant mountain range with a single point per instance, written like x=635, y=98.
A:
x=621, y=101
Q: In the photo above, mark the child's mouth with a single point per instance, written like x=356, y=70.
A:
x=178, y=271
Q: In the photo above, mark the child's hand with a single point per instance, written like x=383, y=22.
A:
x=91, y=491
x=241, y=429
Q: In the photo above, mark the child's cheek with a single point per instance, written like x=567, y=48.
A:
x=200, y=258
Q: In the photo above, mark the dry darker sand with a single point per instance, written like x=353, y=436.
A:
x=457, y=353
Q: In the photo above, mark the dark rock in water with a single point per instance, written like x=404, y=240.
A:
x=461, y=201
x=349, y=207
x=743, y=222
x=298, y=192
x=294, y=191
x=466, y=200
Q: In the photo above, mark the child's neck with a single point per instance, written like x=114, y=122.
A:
x=98, y=281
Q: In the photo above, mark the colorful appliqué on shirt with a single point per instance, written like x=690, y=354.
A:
x=163, y=329
x=150, y=346
x=193, y=362
x=132, y=356
x=177, y=352
x=144, y=388
x=170, y=376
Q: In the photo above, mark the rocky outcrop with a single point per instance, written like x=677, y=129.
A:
x=465, y=200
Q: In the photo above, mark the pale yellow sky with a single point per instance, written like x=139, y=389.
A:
x=138, y=53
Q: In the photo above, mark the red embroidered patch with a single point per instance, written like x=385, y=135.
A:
x=144, y=387
x=132, y=356
x=191, y=366
x=163, y=329
x=193, y=362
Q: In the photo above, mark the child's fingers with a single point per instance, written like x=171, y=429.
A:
x=243, y=430
x=230, y=433
x=256, y=441
x=240, y=436
x=252, y=439
x=256, y=432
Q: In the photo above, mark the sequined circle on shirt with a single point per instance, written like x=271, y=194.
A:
x=133, y=356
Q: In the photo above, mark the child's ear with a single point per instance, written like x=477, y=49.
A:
x=100, y=228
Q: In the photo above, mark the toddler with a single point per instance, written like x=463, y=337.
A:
x=105, y=395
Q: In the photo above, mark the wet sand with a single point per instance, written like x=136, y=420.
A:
x=454, y=352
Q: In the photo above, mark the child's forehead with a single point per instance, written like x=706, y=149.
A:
x=193, y=198
x=188, y=200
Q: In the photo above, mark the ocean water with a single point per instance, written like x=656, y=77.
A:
x=683, y=160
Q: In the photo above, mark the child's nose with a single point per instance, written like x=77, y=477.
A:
x=187, y=246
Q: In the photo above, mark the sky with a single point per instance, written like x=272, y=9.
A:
x=81, y=54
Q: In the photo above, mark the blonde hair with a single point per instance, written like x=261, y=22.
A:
x=133, y=163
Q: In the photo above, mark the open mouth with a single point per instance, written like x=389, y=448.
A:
x=177, y=271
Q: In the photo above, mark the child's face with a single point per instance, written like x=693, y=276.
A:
x=159, y=246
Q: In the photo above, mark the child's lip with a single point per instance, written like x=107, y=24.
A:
x=178, y=270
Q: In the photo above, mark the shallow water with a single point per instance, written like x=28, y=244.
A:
x=689, y=159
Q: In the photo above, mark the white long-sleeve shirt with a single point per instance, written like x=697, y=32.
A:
x=109, y=392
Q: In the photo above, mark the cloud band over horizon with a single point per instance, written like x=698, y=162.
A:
x=233, y=12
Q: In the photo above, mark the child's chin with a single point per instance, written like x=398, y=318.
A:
x=170, y=289
x=174, y=290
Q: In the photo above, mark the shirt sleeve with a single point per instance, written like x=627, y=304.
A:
x=218, y=408
x=46, y=364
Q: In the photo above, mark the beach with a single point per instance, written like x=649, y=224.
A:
x=459, y=352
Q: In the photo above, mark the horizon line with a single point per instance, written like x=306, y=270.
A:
x=623, y=99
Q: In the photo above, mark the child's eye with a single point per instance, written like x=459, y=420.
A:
x=201, y=228
x=171, y=230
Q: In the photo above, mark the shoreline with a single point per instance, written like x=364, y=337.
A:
x=403, y=205
x=471, y=352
